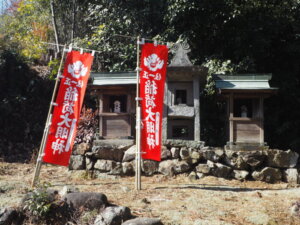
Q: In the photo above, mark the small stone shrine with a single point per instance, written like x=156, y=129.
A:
x=245, y=96
x=116, y=93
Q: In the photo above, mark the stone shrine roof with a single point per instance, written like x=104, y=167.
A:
x=115, y=78
x=246, y=82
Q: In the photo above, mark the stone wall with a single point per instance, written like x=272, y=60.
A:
x=116, y=157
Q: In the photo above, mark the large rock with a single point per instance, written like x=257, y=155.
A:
x=87, y=200
x=235, y=160
x=167, y=167
x=253, y=158
x=175, y=152
x=105, y=165
x=184, y=153
x=81, y=149
x=268, y=174
x=181, y=167
x=195, y=157
x=117, y=169
x=89, y=163
x=143, y=221
x=282, y=159
x=128, y=168
x=183, y=143
x=172, y=167
x=165, y=153
x=193, y=176
x=291, y=176
x=77, y=162
x=222, y=170
x=111, y=149
x=113, y=215
x=204, y=169
x=10, y=216
x=213, y=155
x=149, y=167
x=240, y=174
x=129, y=154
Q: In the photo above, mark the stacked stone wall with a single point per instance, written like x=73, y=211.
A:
x=116, y=157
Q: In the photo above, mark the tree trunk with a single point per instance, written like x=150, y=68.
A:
x=73, y=21
x=54, y=27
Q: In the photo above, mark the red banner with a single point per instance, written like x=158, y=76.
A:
x=152, y=82
x=67, y=108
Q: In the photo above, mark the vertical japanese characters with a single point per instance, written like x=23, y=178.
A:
x=67, y=108
x=152, y=80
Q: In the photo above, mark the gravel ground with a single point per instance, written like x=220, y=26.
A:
x=177, y=201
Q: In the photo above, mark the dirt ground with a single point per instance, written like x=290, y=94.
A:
x=208, y=201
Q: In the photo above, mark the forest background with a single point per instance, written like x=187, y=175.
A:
x=227, y=36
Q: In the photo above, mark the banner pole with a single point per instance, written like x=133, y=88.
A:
x=47, y=125
x=138, y=185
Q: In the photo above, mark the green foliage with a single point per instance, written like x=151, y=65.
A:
x=39, y=203
x=54, y=67
x=25, y=27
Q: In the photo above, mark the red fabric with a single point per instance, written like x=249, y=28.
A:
x=152, y=81
x=66, y=114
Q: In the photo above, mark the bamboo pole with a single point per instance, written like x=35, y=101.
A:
x=138, y=185
x=47, y=125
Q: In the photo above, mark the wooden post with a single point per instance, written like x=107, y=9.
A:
x=138, y=185
x=165, y=117
x=46, y=130
x=261, y=121
x=196, y=93
x=100, y=116
x=231, y=118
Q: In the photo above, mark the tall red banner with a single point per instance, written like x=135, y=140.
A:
x=67, y=108
x=152, y=82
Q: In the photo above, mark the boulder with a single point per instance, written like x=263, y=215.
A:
x=77, y=162
x=128, y=168
x=236, y=161
x=117, y=169
x=184, y=143
x=89, y=163
x=100, y=152
x=167, y=167
x=282, y=159
x=291, y=176
x=253, y=158
x=129, y=154
x=184, y=153
x=204, y=169
x=211, y=155
x=165, y=153
x=105, y=165
x=200, y=175
x=113, y=215
x=268, y=174
x=193, y=176
x=10, y=216
x=143, y=221
x=222, y=170
x=87, y=200
x=175, y=152
x=149, y=167
x=81, y=149
x=181, y=167
x=240, y=174
x=195, y=157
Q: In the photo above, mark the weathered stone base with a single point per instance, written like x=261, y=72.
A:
x=116, y=157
